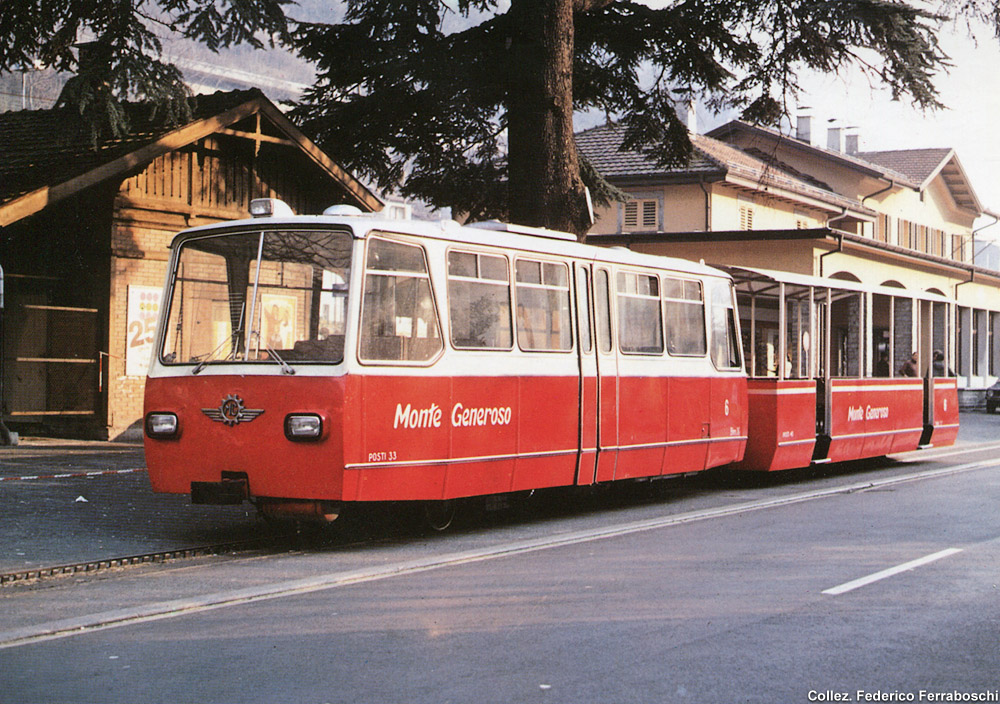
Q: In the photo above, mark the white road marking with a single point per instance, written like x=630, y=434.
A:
x=156, y=611
x=905, y=567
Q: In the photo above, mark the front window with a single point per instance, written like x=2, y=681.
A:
x=272, y=296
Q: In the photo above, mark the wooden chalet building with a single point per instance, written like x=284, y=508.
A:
x=84, y=234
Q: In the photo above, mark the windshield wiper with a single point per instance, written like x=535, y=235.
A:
x=210, y=357
x=285, y=367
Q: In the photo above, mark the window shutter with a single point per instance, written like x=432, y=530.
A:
x=649, y=215
x=631, y=215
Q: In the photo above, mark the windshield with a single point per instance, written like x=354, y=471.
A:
x=278, y=297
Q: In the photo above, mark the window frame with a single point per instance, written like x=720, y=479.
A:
x=705, y=321
x=640, y=215
x=568, y=290
x=510, y=294
x=396, y=239
x=655, y=276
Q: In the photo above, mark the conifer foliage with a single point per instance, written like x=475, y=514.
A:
x=469, y=103
x=113, y=47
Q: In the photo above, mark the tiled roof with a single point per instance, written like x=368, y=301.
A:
x=48, y=147
x=766, y=137
x=917, y=164
x=602, y=147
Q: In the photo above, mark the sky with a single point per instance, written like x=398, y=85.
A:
x=970, y=124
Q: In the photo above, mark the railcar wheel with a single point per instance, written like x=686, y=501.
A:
x=438, y=515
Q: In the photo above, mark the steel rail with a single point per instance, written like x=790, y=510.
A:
x=92, y=567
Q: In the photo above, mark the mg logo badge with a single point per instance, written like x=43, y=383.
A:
x=232, y=411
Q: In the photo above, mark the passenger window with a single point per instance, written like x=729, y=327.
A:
x=684, y=313
x=725, y=340
x=479, y=301
x=640, y=325
x=398, y=321
x=543, y=305
x=602, y=310
x=583, y=310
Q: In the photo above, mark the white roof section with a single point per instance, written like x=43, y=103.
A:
x=488, y=234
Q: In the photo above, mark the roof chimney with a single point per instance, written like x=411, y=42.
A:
x=692, y=116
x=834, y=136
x=852, y=141
x=803, y=125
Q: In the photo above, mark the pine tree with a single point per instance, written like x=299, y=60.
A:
x=467, y=105
x=113, y=48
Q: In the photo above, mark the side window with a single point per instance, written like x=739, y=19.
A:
x=479, y=301
x=684, y=313
x=602, y=310
x=725, y=340
x=398, y=320
x=583, y=310
x=640, y=325
x=543, y=305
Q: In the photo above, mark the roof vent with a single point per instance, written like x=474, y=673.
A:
x=343, y=209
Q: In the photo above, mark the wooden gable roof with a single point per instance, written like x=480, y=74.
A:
x=47, y=155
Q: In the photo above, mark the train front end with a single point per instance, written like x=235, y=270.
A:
x=245, y=394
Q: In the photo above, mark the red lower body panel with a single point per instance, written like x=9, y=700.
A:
x=945, y=412
x=873, y=417
x=782, y=424
x=414, y=437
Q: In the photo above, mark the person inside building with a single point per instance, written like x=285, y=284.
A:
x=939, y=368
x=882, y=366
x=910, y=367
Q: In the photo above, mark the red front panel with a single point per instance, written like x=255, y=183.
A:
x=782, y=424
x=945, y=412
x=275, y=466
x=873, y=417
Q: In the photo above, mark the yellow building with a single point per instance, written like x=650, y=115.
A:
x=751, y=196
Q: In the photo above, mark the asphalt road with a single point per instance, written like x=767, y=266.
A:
x=711, y=590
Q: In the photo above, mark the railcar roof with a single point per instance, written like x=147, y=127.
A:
x=486, y=234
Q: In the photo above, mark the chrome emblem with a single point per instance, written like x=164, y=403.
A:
x=232, y=412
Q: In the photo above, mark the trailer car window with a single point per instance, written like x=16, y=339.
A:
x=398, y=321
x=543, y=306
x=479, y=301
x=640, y=325
x=684, y=312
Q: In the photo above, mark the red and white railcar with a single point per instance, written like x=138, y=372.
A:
x=831, y=374
x=308, y=361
